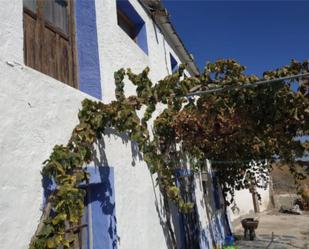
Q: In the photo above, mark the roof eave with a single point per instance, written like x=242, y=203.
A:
x=156, y=9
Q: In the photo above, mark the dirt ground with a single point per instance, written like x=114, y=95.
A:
x=290, y=231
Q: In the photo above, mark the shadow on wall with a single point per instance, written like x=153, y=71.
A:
x=98, y=149
x=181, y=231
x=189, y=222
x=106, y=196
x=164, y=216
x=100, y=203
x=99, y=212
x=218, y=227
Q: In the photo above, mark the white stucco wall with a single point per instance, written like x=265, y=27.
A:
x=117, y=50
x=38, y=112
x=244, y=203
x=244, y=206
x=11, y=30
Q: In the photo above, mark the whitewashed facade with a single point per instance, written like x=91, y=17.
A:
x=38, y=112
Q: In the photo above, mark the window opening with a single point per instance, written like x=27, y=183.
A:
x=49, y=42
x=174, y=64
x=126, y=24
x=132, y=24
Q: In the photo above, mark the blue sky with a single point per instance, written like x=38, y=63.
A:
x=259, y=34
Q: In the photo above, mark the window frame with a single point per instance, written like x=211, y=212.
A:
x=52, y=25
x=129, y=15
x=42, y=23
x=47, y=23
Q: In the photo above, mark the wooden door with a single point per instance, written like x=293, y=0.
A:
x=49, y=38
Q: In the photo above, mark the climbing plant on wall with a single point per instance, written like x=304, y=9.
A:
x=235, y=126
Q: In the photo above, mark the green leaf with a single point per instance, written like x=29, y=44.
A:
x=59, y=218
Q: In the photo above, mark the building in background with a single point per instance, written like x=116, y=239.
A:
x=54, y=54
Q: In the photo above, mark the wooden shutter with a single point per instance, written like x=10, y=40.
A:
x=49, y=38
